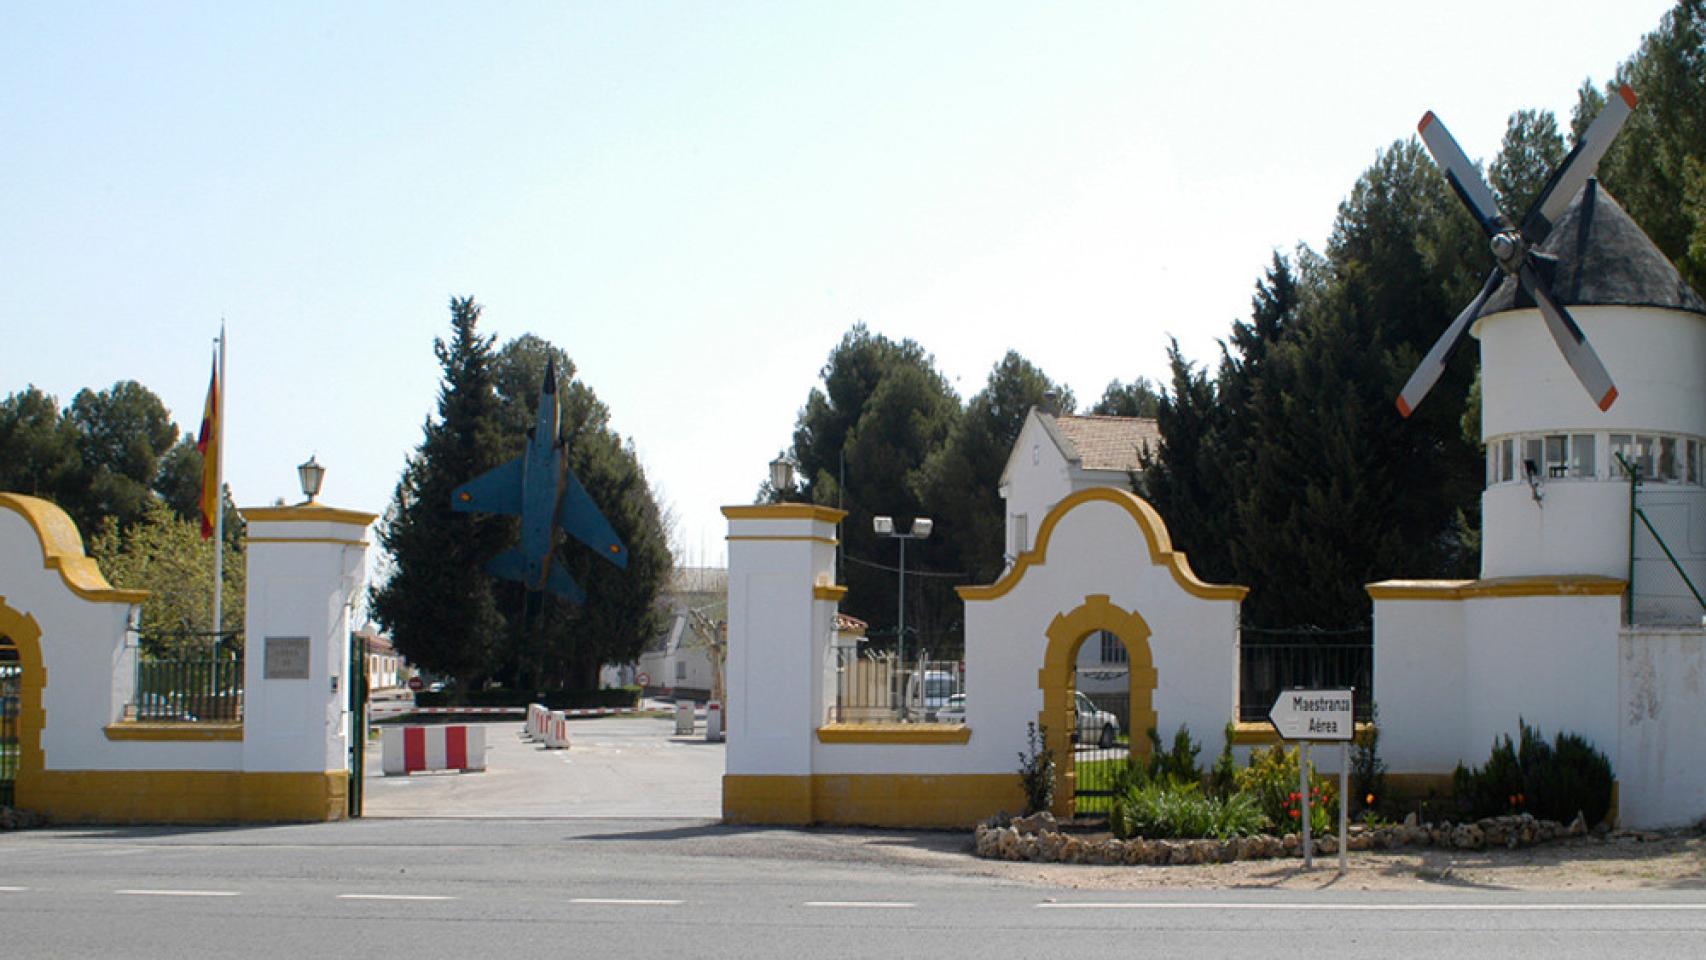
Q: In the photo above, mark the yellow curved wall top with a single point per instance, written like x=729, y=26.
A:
x=62, y=550
x=1161, y=552
x=1557, y=585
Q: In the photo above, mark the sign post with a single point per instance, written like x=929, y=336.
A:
x=1309, y=716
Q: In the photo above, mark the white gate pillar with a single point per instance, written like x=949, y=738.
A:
x=306, y=565
x=782, y=603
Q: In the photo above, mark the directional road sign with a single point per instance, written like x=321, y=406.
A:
x=1313, y=715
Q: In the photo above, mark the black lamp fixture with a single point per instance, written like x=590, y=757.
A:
x=310, y=474
x=781, y=477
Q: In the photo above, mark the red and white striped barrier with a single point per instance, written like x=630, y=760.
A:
x=411, y=749
x=487, y=711
x=537, y=718
x=556, y=731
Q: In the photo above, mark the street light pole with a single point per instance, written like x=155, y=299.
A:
x=921, y=526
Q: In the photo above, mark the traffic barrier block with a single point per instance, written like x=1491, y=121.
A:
x=412, y=749
x=557, y=731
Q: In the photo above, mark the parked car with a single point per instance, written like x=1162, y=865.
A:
x=939, y=687
x=1095, y=725
x=153, y=706
x=954, y=711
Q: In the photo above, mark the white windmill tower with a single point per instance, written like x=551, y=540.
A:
x=1557, y=500
x=1581, y=620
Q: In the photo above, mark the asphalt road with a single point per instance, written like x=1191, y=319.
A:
x=615, y=767
x=647, y=888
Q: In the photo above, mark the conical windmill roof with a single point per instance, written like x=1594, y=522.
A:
x=1602, y=259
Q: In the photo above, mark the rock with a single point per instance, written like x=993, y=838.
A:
x=1410, y=819
x=1329, y=844
x=1040, y=822
x=1468, y=836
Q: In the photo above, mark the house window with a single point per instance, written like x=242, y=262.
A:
x=1113, y=649
x=1021, y=533
x=681, y=670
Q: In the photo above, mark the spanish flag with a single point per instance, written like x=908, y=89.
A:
x=208, y=445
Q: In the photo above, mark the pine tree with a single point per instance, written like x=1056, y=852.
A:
x=438, y=604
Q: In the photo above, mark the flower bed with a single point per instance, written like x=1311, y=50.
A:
x=1039, y=838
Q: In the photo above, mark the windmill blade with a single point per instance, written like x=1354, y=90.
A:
x=1461, y=174
x=1432, y=366
x=1572, y=343
x=1580, y=164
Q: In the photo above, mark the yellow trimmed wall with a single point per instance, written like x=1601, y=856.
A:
x=871, y=799
x=184, y=796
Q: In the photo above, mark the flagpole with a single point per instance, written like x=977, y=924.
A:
x=219, y=492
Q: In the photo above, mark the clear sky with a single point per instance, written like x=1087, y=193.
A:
x=695, y=200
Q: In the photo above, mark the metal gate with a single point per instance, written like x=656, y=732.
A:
x=357, y=721
x=1101, y=746
x=11, y=696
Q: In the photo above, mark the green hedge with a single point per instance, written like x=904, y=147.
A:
x=554, y=699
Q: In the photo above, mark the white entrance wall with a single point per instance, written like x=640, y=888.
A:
x=83, y=760
x=1102, y=560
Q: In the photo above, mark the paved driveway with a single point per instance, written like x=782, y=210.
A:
x=615, y=767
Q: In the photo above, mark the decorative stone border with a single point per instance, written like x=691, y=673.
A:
x=1039, y=838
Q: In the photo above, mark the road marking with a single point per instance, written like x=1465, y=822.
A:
x=1381, y=907
x=178, y=893
x=863, y=904
x=392, y=896
x=609, y=901
x=13, y=889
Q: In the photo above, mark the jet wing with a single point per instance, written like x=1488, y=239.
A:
x=583, y=521
x=498, y=490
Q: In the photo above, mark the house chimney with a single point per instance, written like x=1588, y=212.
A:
x=1051, y=402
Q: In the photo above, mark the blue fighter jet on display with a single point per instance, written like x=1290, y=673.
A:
x=540, y=488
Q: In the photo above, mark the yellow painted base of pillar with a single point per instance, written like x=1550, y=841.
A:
x=871, y=799
x=184, y=796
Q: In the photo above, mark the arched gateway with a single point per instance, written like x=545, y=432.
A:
x=1103, y=565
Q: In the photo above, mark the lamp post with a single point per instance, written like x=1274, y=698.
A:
x=310, y=474
x=921, y=526
x=781, y=477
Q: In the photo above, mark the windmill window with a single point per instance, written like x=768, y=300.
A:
x=1693, y=461
x=1581, y=455
x=1622, y=445
x=1557, y=455
x=1533, y=451
x=1670, y=468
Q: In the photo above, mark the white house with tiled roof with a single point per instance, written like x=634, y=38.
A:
x=1058, y=455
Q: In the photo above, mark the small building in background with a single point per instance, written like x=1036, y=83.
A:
x=678, y=662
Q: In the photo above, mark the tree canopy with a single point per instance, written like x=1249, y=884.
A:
x=443, y=610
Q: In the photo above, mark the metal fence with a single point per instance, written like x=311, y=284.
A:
x=878, y=689
x=189, y=689
x=10, y=691
x=1267, y=669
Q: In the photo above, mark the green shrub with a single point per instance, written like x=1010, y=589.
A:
x=1223, y=776
x=1036, y=769
x=1368, y=771
x=1178, y=765
x=1551, y=781
x=1169, y=810
x=1271, y=780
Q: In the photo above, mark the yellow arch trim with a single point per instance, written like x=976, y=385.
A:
x=1058, y=680
x=25, y=634
x=1161, y=552
x=62, y=550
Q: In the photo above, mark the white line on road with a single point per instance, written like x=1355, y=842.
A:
x=858, y=904
x=607, y=901
x=13, y=889
x=177, y=893
x=391, y=896
x=1380, y=907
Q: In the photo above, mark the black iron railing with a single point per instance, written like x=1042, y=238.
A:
x=189, y=689
x=1267, y=669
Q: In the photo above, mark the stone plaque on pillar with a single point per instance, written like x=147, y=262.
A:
x=286, y=658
